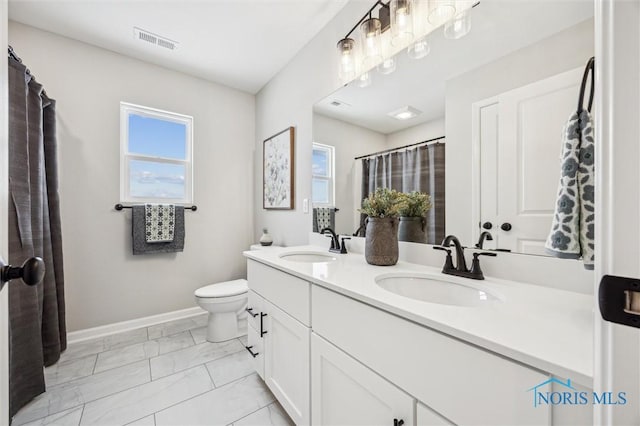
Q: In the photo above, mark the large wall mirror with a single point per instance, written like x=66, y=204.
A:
x=477, y=124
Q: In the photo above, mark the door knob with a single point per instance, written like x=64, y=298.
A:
x=506, y=226
x=31, y=271
x=487, y=225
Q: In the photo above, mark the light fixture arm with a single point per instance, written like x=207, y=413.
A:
x=368, y=14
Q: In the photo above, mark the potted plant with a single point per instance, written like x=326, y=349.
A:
x=381, y=227
x=412, y=208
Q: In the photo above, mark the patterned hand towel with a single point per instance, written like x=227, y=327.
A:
x=159, y=222
x=572, y=231
x=138, y=233
x=324, y=217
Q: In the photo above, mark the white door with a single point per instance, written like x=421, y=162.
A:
x=617, y=126
x=286, y=362
x=346, y=392
x=520, y=143
x=4, y=197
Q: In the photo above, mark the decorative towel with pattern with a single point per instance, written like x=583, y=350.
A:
x=159, y=222
x=572, y=232
x=325, y=217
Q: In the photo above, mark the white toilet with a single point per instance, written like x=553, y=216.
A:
x=226, y=303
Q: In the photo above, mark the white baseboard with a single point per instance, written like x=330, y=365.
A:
x=119, y=327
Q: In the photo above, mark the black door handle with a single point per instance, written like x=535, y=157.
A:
x=506, y=226
x=250, y=311
x=487, y=225
x=262, y=330
x=253, y=354
x=32, y=272
x=397, y=422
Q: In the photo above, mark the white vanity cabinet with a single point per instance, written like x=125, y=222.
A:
x=345, y=392
x=465, y=384
x=279, y=302
x=330, y=359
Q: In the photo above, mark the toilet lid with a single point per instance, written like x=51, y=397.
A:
x=224, y=289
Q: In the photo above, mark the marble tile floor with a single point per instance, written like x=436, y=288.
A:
x=166, y=374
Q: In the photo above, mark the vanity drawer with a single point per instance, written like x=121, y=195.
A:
x=465, y=384
x=289, y=293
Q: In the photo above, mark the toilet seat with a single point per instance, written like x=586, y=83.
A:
x=224, y=289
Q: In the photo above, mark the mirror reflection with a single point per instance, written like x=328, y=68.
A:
x=476, y=125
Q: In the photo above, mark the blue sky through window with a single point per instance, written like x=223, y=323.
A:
x=156, y=137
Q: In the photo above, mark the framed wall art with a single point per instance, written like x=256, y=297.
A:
x=278, y=171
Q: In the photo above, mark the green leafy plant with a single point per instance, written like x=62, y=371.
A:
x=384, y=202
x=414, y=204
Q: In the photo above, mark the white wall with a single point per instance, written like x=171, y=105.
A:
x=104, y=282
x=287, y=100
x=349, y=141
x=421, y=132
x=564, y=51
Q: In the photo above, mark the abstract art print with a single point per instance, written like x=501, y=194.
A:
x=278, y=168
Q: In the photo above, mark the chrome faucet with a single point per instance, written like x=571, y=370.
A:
x=486, y=235
x=460, y=269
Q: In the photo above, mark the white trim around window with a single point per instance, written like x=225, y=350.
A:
x=329, y=177
x=125, y=156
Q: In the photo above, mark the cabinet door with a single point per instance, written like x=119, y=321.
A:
x=345, y=392
x=286, y=362
x=255, y=350
x=427, y=417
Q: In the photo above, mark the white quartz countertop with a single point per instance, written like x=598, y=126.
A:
x=548, y=329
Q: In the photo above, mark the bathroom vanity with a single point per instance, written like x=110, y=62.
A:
x=342, y=342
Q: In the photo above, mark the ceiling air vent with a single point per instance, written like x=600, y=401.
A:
x=155, y=39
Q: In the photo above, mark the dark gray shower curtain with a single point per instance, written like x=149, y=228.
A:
x=417, y=169
x=37, y=330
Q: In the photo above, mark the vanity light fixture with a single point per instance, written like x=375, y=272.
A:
x=410, y=21
x=401, y=22
x=405, y=113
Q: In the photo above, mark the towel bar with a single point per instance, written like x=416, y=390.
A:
x=120, y=207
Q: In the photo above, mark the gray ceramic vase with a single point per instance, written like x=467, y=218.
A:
x=381, y=241
x=413, y=229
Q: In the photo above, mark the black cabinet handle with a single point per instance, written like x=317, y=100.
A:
x=250, y=311
x=506, y=226
x=262, y=330
x=32, y=272
x=397, y=422
x=487, y=225
x=253, y=354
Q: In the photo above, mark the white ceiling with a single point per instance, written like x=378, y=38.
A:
x=238, y=43
x=498, y=27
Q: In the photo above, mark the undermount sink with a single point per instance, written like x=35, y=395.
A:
x=430, y=289
x=308, y=257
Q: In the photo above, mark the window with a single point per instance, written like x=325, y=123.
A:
x=322, y=180
x=156, y=155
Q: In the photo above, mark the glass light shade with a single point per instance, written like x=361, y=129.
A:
x=370, y=31
x=419, y=49
x=402, y=15
x=364, y=80
x=440, y=11
x=459, y=26
x=387, y=66
x=347, y=62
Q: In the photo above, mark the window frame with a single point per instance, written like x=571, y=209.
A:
x=127, y=109
x=331, y=175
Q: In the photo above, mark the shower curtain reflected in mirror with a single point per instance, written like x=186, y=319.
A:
x=37, y=331
x=416, y=169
